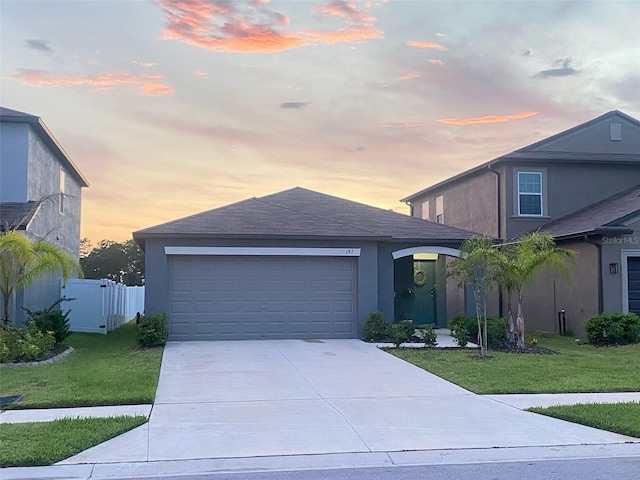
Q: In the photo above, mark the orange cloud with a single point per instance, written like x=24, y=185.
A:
x=149, y=85
x=435, y=61
x=419, y=44
x=252, y=27
x=408, y=76
x=488, y=119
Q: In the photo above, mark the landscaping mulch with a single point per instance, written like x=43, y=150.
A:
x=527, y=348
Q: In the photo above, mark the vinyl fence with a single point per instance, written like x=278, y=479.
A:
x=100, y=306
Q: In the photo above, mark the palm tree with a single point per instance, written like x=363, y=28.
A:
x=477, y=266
x=520, y=262
x=22, y=261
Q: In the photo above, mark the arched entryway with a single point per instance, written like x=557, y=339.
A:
x=420, y=285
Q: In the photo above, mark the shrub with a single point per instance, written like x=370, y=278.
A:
x=50, y=320
x=376, y=328
x=613, y=328
x=429, y=337
x=461, y=326
x=16, y=345
x=152, y=330
x=401, y=332
x=465, y=329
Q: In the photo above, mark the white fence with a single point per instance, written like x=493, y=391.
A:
x=100, y=306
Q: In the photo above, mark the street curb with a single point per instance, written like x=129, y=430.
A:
x=107, y=471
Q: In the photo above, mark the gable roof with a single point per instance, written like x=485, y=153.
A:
x=542, y=151
x=301, y=213
x=8, y=115
x=16, y=216
x=606, y=217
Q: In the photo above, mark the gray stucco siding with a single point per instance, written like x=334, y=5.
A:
x=569, y=187
x=13, y=162
x=62, y=229
x=468, y=204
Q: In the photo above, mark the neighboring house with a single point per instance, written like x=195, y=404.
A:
x=40, y=194
x=295, y=264
x=579, y=185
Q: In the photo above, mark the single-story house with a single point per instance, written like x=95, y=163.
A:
x=295, y=264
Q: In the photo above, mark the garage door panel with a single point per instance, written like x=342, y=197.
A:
x=262, y=297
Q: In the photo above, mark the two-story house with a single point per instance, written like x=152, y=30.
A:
x=582, y=186
x=40, y=194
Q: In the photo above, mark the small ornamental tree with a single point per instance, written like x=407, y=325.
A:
x=477, y=267
x=519, y=263
x=23, y=261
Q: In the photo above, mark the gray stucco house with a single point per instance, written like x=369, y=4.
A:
x=580, y=185
x=295, y=264
x=40, y=194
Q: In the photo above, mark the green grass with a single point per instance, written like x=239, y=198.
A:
x=103, y=370
x=45, y=443
x=623, y=418
x=576, y=368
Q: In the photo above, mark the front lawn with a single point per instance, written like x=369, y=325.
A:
x=623, y=418
x=103, y=370
x=45, y=443
x=577, y=368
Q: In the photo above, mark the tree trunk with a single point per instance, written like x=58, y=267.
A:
x=511, y=336
x=481, y=341
x=5, y=313
x=520, y=323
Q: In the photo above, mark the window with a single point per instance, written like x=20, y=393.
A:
x=530, y=193
x=62, y=181
x=440, y=209
x=425, y=210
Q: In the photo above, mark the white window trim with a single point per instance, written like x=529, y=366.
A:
x=264, y=251
x=425, y=210
x=541, y=194
x=440, y=209
x=624, y=276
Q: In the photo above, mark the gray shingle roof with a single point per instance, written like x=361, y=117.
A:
x=13, y=116
x=603, y=217
x=301, y=213
x=16, y=216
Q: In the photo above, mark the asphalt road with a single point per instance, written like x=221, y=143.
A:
x=584, y=469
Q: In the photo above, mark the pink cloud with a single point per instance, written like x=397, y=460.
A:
x=487, y=119
x=201, y=74
x=149, y=85
x=401, y=125
x=420, y=44
x=252, y=27
x=435, y=61
x=408, y=76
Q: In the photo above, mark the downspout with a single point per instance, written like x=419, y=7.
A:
x=499, y=222
x=599, y=248
x=499, y=225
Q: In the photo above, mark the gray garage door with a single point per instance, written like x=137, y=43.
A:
x=233, y=298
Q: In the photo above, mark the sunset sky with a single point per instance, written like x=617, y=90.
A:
x=172, y=107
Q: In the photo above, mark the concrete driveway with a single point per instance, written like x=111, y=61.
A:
x=295, y=397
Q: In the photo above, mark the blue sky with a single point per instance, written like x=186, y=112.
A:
x=171, y=107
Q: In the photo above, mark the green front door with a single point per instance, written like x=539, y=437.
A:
x=424, y=277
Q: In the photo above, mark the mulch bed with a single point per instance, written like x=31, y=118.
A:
x=527, y=348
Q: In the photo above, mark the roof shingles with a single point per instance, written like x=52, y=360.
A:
x=299, y=213
x=606, y=215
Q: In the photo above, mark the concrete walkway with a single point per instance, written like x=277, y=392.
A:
x=273, y=404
